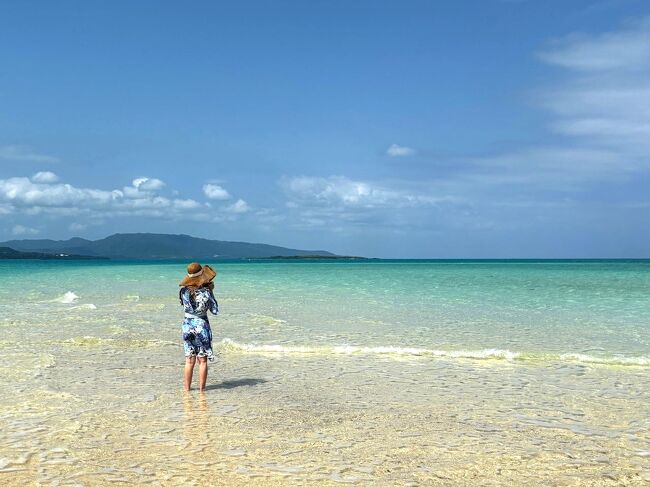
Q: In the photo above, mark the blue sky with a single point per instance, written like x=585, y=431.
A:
x=393, y=129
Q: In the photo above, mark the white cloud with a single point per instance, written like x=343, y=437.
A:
x=142, y=188
x=45, y=177
x=186, y=204
x=25, y=154
x=44, y=196
x=600, y=108
x=605, y=101
x=240, y=206
x=19, y=230
x=148, y=184
x=628, y=48
x=346, y=205
x=31, y=197
x=22, y=191
x=399, y=151
x=215, y=192
x=341, y=191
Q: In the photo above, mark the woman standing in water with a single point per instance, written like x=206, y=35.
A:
x=196, y=297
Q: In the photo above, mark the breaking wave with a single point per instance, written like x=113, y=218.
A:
x=484, y=354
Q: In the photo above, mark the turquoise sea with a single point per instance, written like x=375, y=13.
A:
x=367, y=372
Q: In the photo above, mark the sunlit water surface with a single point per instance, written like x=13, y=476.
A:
x=368, y=373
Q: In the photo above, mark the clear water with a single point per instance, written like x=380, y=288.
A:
x=360, y=372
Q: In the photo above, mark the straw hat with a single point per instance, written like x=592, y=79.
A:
x=198, y=275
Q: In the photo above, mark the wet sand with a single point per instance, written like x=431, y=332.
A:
x=277, y=419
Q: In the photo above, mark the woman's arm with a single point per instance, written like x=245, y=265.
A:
x=185, y=299
x=212, y=303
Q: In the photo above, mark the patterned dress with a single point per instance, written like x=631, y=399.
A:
x=197, y=335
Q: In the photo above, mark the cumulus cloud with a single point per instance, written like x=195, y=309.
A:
x=44, y=194
x=399, y=151
x=23, y=191
x=148, y=184
x=45, y=177
x=341, y=191
x=215, y=192
x=186, y=204
x=142, y=188
x=345, y=205
x=24, y=154
x=20, y=230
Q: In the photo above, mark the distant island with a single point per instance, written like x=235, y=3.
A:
x=153, y=246
x=314, y=257
x=9, y=253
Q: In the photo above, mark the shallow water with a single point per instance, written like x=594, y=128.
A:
x=364, y=373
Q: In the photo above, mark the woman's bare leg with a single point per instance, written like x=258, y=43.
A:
x=203, y=372
x=189, y=370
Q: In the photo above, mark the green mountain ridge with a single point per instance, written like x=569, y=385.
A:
x=9, y=253
x=154, y=246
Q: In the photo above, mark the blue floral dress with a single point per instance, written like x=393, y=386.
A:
x=197, y=335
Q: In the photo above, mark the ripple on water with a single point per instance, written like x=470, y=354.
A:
x=119, y=343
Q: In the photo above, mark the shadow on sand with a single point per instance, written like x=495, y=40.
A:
x=231, y=384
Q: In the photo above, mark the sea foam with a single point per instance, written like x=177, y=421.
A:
x=68, y=298
x=614, y=360
x=483, y=354
x=85, y=306
x=357, y=350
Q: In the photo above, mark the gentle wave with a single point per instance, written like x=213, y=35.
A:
x=93, y=341
x=354, y=350
x=85, y=306
x=617, y=360
x=484, y=354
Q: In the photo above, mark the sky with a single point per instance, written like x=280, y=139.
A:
x=404, y=129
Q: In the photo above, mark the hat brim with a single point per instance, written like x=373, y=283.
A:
x=206, y=276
